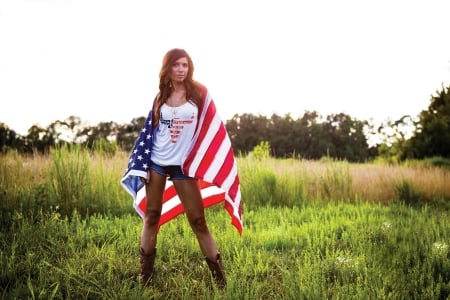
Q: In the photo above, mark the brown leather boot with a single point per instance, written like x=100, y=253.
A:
x=147, y=261
x=217, y=271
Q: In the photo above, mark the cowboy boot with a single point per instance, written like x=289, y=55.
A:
x=217, y=271
x=147, y=262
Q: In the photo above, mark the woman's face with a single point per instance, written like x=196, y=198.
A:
x=179, y=70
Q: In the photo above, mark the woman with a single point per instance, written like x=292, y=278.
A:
x=179, y=122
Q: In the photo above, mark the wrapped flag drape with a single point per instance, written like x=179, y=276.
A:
x=210, y=159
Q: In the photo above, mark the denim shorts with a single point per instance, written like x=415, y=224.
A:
x=173, y=172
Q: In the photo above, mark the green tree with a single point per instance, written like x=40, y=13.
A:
x=7, y=138
x=39, y=139
x=307, y=135
x=247, y=130
x=103, y=130
x=281, y=135
x=65, y=131
x=128, y=133
x=432, y=134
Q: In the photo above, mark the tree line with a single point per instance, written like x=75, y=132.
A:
x=310, y=136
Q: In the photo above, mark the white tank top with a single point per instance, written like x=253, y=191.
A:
x=174, y=133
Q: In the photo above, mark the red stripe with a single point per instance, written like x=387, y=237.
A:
x=213, y=199
x=170, y=214
x=179, y=209
x=234, y=188
x=204, y=184
x=225, y=169
x=169, y=193
x=143, y=205
x=235, y=221
x=211, y=153
x=209, y=115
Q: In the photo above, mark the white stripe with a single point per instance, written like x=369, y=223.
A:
x=235, y=204
x=170, y=204
x=212, y=191
x=140, y=195
x=137, y=201
x=229, y=180
x=204, y=144
x=201, y=120
x=218, y=161
x=175, y=200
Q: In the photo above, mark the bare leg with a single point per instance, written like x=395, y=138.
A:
x=189, y=193
x=154, y=192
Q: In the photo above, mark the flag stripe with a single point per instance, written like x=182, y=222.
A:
x=169, y=192
x=224, y=170
x=202, y=138
x=172, y=206
x=210, y=157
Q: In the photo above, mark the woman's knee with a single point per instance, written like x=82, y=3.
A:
x=198, y=224
x=152, y=217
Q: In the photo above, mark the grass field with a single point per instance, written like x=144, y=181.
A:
x=312, y=230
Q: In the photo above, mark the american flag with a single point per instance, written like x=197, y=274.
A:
x=210, y=159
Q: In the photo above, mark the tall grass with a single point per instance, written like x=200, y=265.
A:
x=312, y=230
x=293, y=182
x=74, y=179
x=68, y=179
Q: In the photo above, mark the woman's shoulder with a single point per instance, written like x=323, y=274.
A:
x=202, y=88
x=199, y=85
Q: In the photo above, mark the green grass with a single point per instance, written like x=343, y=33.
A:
x=312, y=230
x=326, y=251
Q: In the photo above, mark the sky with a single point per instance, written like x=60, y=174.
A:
x=100, y=59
